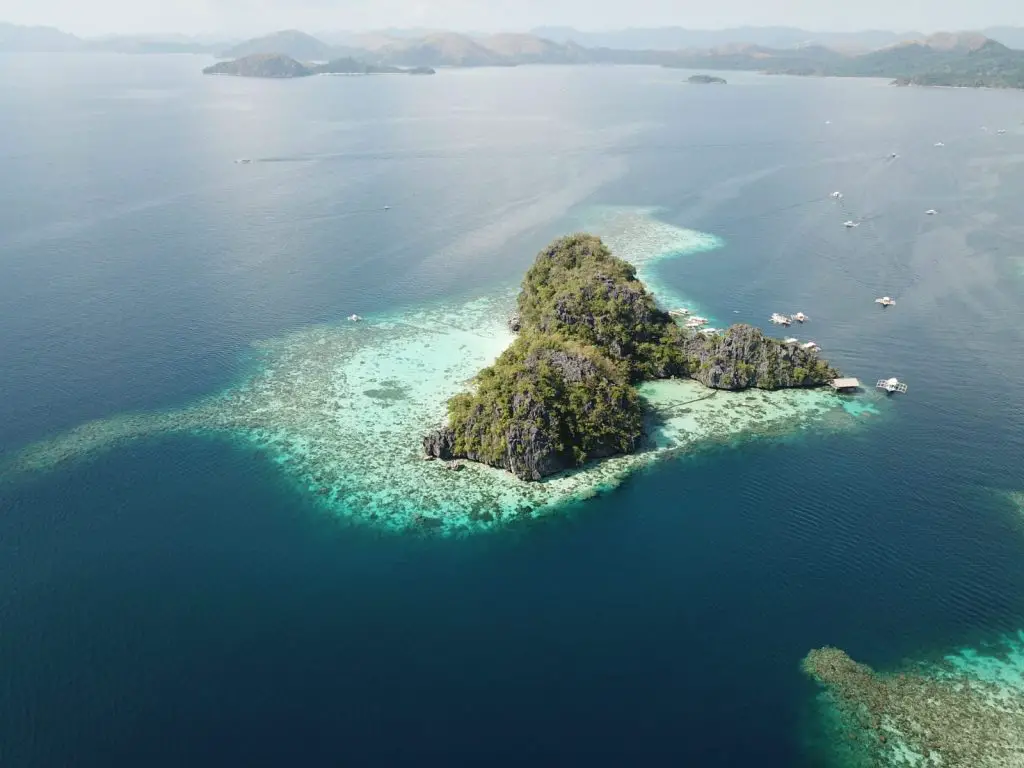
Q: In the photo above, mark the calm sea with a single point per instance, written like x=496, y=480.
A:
x=177, y=602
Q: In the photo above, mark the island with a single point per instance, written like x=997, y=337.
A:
x=563, y=393
x=275, y=65
x=706, y=80
x=271, y=65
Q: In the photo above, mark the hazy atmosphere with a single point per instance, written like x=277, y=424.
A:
x=256, y=16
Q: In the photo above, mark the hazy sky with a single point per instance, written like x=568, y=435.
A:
x=257, y=16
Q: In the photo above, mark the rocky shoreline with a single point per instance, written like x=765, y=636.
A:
x=564, y=393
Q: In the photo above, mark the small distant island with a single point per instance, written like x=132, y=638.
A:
x=588, y=331
x=706, y=80
x=275, y=65
x=260, y=65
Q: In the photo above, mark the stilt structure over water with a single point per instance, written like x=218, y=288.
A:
x=845, y=385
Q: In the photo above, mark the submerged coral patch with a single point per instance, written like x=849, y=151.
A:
x=342, y=409
x=966, y=711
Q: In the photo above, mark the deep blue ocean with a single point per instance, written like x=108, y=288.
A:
x=177, y=601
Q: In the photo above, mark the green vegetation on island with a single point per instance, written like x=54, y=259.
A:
x=276, y=65
x=706, y=80
x=563, y=393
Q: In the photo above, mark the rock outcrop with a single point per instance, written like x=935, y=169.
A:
x=576, y=288
x=273, y=65
x=743, y=357
x=545, y=406
x=562, y=394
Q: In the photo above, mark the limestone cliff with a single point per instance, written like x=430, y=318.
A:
x=743, y=357
x=546, y=405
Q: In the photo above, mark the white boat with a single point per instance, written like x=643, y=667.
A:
x=850, y=224
x=837, y=195
x=810, y=345
x=800, y=317
x=1001, y=131
x=781, y=319
x=930, y=212
x=354, y=318
x=387, y=207
x=679, y=312
x=893, y=155
x=891, y=385
x=243, y=160
x=885, y=301
x=939, y=144
x=791, y=340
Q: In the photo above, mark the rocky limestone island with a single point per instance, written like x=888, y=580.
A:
x=588, y=330
x=706, y=80
x=275, y=65
x=260, y=65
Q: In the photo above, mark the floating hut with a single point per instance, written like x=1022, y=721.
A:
x=885, y=301
x=850, y=224
x=849, y=384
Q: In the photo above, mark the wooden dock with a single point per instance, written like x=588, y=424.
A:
x=845, y=385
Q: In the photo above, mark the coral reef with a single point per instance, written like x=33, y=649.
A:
x=949, y=716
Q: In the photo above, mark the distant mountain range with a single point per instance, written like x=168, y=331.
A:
x=972, y=59
x=48, y=39
x=965, y=59
x=678, y=38
x=19, y=39
x=279, y=66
